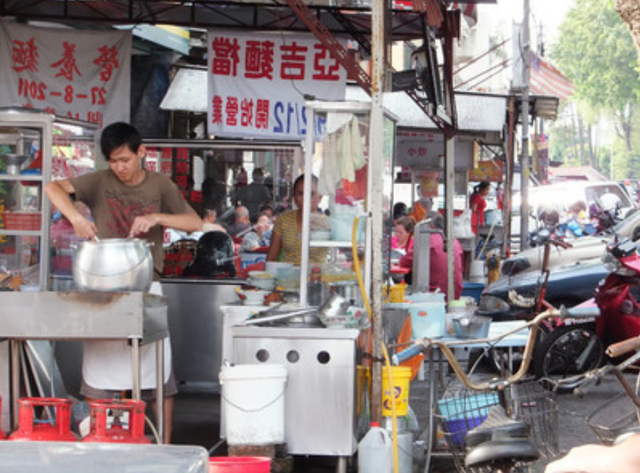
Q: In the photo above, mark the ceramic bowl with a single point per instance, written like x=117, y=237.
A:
x=262, y=282
x=254, y=296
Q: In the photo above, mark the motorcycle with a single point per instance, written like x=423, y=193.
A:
x=571, y=350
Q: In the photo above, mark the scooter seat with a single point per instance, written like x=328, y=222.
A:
x=498, y=451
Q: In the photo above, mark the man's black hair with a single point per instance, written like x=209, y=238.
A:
x=118, y=134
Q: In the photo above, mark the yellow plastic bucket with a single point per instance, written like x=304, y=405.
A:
x=395, y=292
x=401, y=377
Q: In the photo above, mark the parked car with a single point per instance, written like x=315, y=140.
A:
x=604, y=195
x=582, y=249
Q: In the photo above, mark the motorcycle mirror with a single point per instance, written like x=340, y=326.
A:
x=544, y=235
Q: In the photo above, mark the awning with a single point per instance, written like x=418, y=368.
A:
x=477, y=113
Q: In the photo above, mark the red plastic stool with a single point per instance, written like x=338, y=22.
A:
x=57, y=430
x=118, y=432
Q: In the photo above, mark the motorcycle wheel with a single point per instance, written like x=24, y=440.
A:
x=505, y=361
x=561, y=349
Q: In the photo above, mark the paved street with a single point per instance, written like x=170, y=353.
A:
x=197, y=420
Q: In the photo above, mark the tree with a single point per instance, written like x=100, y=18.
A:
x=629, y=11
x=596, y=51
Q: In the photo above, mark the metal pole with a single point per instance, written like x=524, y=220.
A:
x=524, y=160
x=449, y=172
x=376, y=155
x=160, y=389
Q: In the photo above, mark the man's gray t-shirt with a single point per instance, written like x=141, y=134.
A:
x=115, y=206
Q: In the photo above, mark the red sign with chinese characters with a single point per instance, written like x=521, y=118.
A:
x=77, y=74
x=257, y=82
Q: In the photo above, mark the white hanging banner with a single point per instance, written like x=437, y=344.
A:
x=257, y=83
x=84, y=75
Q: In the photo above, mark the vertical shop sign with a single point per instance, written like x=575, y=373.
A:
x=166, y=162
x=83, y=75
x=257, y=83
x=182, y=171
x=542, y=154
x=429, y=183
x=151, y=159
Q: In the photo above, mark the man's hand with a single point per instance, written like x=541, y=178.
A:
x=143, y=224
x=84, y=227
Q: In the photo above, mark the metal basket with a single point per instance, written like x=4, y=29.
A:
x=615, y=417
x=461, y=410
x=531, y=403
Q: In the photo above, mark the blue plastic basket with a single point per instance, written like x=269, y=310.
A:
x=461, y=414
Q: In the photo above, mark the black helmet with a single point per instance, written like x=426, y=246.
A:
x=214, y=257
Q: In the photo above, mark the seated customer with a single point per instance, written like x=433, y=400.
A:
x=438, y=258
x=209, y=224
x=259, y=236
x=241, y=223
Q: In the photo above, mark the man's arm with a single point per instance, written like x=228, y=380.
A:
x=621, y=458
x=187, y=222
x=59, y=194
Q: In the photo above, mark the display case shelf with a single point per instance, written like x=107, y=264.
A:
x=21, y=177
x=19, y=232
x=52, y=142
x=331, y=244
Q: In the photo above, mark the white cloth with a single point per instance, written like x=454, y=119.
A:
x=106, y=364
x=343, y=154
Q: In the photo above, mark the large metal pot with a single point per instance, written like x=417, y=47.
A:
x=112, y=265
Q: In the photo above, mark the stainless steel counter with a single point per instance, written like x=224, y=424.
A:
x=84, y=316
x=320, y=398
x=66, y=457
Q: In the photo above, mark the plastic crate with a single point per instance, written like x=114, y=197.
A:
x=462, y=413
x=22, y=220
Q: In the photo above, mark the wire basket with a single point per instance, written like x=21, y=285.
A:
x=615, y=417
x=531, y=403
x=460, y=410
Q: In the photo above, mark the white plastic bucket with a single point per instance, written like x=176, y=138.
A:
x=427, y=319
x=476, y=272
x=253, y=398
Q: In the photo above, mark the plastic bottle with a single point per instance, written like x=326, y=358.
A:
x=375, y=451
x=316, y=287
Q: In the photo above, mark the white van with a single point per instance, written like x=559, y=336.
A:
x=559, y=196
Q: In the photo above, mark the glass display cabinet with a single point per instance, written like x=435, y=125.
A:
x=36, y=147
x=337, y=152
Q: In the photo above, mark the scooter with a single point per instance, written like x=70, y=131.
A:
x=571, y=350
x=617, y=296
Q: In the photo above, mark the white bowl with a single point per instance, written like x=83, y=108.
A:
x=254, y=297
x=266, y=284
x=261, y=275
x=272, y=266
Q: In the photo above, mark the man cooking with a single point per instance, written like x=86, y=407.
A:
x=125, y=201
